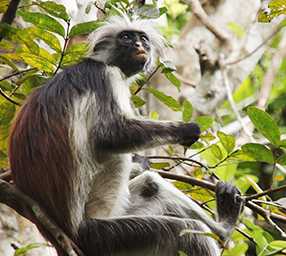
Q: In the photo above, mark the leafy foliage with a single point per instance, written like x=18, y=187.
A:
x=34, y=52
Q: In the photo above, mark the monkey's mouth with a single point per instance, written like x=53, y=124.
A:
x=141, y=55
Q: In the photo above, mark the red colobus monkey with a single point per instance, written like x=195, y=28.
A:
x=70, y=151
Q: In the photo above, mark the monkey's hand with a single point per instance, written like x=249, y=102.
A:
x=188, y=134
x=229, y=204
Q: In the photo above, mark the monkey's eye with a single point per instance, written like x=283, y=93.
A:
x=144, y=38
x=125, y=37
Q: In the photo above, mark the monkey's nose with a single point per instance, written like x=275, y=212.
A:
x=138, y=44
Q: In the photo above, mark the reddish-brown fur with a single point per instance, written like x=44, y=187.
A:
x=41, y=157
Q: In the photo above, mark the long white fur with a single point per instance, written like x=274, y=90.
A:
x=117, y=24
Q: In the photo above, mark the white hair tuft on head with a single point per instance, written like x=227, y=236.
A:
x=103, y=39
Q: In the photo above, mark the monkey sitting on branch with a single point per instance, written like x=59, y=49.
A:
x=70, y=150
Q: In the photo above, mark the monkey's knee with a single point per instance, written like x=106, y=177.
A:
x=145, y=185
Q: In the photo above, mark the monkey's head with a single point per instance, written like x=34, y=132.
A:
x=133, y=46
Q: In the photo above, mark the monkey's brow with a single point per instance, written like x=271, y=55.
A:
x=133, y=32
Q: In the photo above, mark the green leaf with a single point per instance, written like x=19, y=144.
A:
x=215, y=150
x=3, y=5
x=23, y=250
x=84, y=28
x=163, y=10
x=258, y=152
x=239, y=249
x=187, y=111
x=282, y=159
x=49, y=38
x=137, y=101
x=278, y=244
x=7, y=111
x=38, y=62
x=228, y=141
x=54, y=9
x=7, y=61
x=237, y=29
x=74, y=54
x=30, y=45
x=154, y=115
x=165, y=99
x=276, y=8
x=160, y=165
x=204, y=122
x=43, y=21
x=172, y=78
x=264, y=123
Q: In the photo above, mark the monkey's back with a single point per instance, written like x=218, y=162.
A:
x=40, y=151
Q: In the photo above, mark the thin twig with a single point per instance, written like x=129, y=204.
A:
x=179, y=159
x=99, y=8
x=147, y=80
x=64, y=48
x=188, y=179
x=232, y=102
x=17, y=73
x=256, y=49
x=246, y=235
x=265, y=192
x=184, y=80
x=223, y=160
x=2, y=93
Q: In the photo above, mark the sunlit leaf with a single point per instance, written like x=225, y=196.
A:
x=54, y=9
x=49, y=38
x=7, y=61
x=236, y=28
x=259, y=152
x=187, y=111
x=84, y=28
x=74, y=54
x=38, y=62
x=22, y=251
x=228, y=141
x=3, y=5
x=205, y=122
x=137, y=101
x=43, y=21
x=215, y=150
x=173, y=79
x=165, y=99
x=160, y=165
x=264, y=123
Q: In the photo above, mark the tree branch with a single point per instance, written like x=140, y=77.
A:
x=28, y=208
x=201, y=15
x=10, y=13
x=208, y=185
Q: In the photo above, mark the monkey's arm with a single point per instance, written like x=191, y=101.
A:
x=128, y=135
x=144, y=235
x=151, y=194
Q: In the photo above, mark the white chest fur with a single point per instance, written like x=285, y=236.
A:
x=121, y=92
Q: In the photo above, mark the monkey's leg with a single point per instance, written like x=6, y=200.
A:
x=129, y=135
x=144, y=236
x=150, y=194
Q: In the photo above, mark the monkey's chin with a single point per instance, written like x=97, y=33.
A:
x=141, y=57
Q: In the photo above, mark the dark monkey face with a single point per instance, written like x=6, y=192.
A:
x=132, y=51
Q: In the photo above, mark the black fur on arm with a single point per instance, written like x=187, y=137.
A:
x=127, y=135
x=142, y=236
